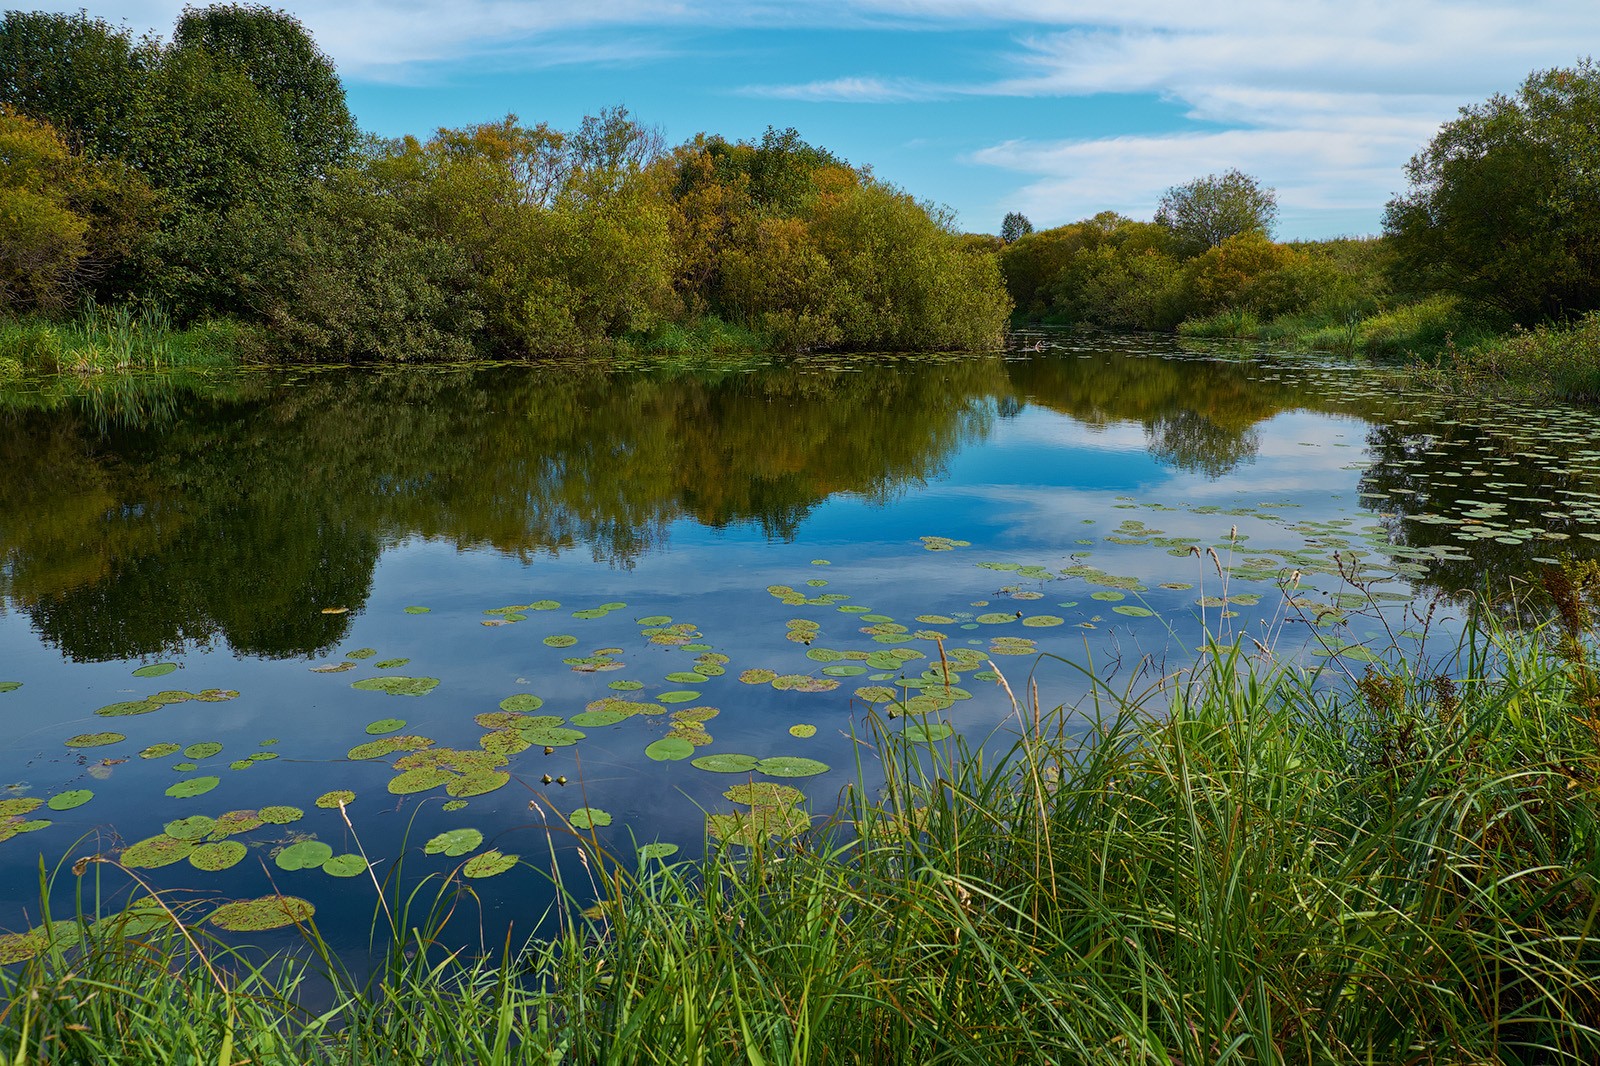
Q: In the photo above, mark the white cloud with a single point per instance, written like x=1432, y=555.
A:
x=852, y=90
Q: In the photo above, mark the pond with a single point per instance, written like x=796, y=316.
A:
x=493, y=606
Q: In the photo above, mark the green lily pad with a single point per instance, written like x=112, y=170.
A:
x=240, y=764
x=595, y=719
x=259, y=915
x=877, y=694
x=16, y=808
x=791, y=766
x=398, y=686
x=11, y=829
x=361, y=653
x=418, y=610
x=281, y=814
x=303, y=855
x=202, y=750
x=552, y=736
x=758, y=676
x=349, y=865
x=385, y=725
x=669, y=749
x=333, y=800
x=185, y=767
x=589, y=818
x=561, y=640
x=94, y=740
x=677, y=696
x=1108, y=595
x=803, y=731
x=10, y=686
x=1132, y=611
x=922, y=733
x=626, y=686
x=686, y=677
x=453, y=805
x=235, y=822
x=159, y=751
x=389, y=664
x=155, y=670
x=727, y=763
x=521, y=703
x=477, y=783
x=765, y=794
x=66, y=801
x=217, y=855
x=454, y=842
x=1040, y=621
x=658, y=850
x=194, y=827
x=411, y=782
x=488, y=864
x=152, y=853
x=191, y=787
x=127, y=708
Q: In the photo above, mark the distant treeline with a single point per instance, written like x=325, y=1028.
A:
x=221, y=176
x=1497, y=234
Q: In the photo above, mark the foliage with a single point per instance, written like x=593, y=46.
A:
x=279, y=58
x=1559, y=362
x=82, y=75
x=1504, y=203
x=1204, y=212
x=1014, y=225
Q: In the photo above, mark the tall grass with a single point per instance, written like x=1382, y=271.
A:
x=1422, y=328
x=102, y=339
x=1237, y=865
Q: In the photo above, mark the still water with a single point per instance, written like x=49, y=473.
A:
x=538, y=592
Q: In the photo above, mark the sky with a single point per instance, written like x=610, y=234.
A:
x=1055, y=108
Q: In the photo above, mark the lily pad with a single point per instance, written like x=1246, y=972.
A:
x=398, y=686
x=202, y=749
x=758, y=676
x=595, y=719
x=217, y=855
x=561, y=640
x=303, y=855
x=159, y=751
x=626, y=686
x=192, y=786
x=791, y=766
x=152, y=853
x=488, y=864
x=454, y=842
x=66, y=801
x=127, y=708
x=765, y=794
x=155, y=670
x=844, y=670
x=1132, y=611
x=922, y=733
x=385, y=725
x=589, y=818
x=10, y=686
x=418, y=610
x=658, y=850
x=194, y=827
x=235, y=822
x=655, y=620
x=411, y=782
x=333, y=800
x=361, y=653
x=677, y=696
x=94, y=740
x=259, y=915
x=522, y=702
x=803, y=731
x=670, y=749
x=1040, y=621
x=552, y=736
x=727, y=763
x=477, y=783
x=280, y=814
x=16, y=808
x=349, y=865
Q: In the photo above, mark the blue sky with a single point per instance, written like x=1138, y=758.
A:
x=1056, y=108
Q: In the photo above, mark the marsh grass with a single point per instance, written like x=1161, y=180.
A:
x=1423, y=328
x=120, y=338
x=1238, y=864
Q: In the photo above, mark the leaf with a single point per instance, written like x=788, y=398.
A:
x=94, y=740
x=454, y=842
x=803, y=731
x=385, y=725
x=191, y=787
x=398, y=686
x=791, y=766
x=155, y=670
x=489, y=864
x=589, y=818
x=66, y=801
x=727, y=763
x=217, y=855
x=345, y=866
x=669, y=749
x=303, y=855
x=522, y=702
x=332, y=800
x=259, y=915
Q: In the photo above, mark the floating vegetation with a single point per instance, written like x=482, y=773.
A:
x=217, y=855
x=128, y=707
x=1041, y=621
x=926, y=732
x=791, y=766
x=422, y=779
x=751, y=828
x=236, y=822
x=335, y=799
x=626, y=686
x=152, y=853
x=686, y=677
x=418, y=610
x=670, y=749
x=16, y=828
x=390, y=664
x=398, y=686
x=453, y=805
x=758, y=676
x=1132, y=611
x=728, y=763
x=677, y=696
x=385, y=725
x=10, y=686
x=589, y=818
x=333, y=668
x=16, y=808
x=876, y=694
x=262, y=914
x=521, y=703
x=280, y=814
x=658, y=850
x=477, y=783
x=348, y=865
x=66, y=801
x=943, y=544
x=561, y=640
x=454, y=842
x=204, y=749
x=803, y=731
x=303, y=855
x=94, y=740
x=765, y=794
x=489, y=864
x=361, y=653
x=804, y=683
x=192, y=786
x=155, y=670
x=551, y=736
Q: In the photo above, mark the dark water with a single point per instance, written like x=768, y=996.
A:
x=1100, y=485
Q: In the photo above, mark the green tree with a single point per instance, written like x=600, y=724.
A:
x=82, y=75
x=278, y=56
x=1207, y=211
x=1015, y=226
x=1504, y=203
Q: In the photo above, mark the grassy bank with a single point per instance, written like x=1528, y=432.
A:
x=103, y=340
x=1233, y=867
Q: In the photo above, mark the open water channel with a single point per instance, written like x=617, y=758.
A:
x=479, y=604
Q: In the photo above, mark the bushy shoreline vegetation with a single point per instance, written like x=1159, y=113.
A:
x=1240, y=865
x=220, y=176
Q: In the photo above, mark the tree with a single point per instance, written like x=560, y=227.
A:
x=1207, y=211
x=287, y=68
x=1016, y=225
x=82, y=75
x=1504, y=203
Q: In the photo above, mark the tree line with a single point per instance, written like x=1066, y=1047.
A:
x=221, y=175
